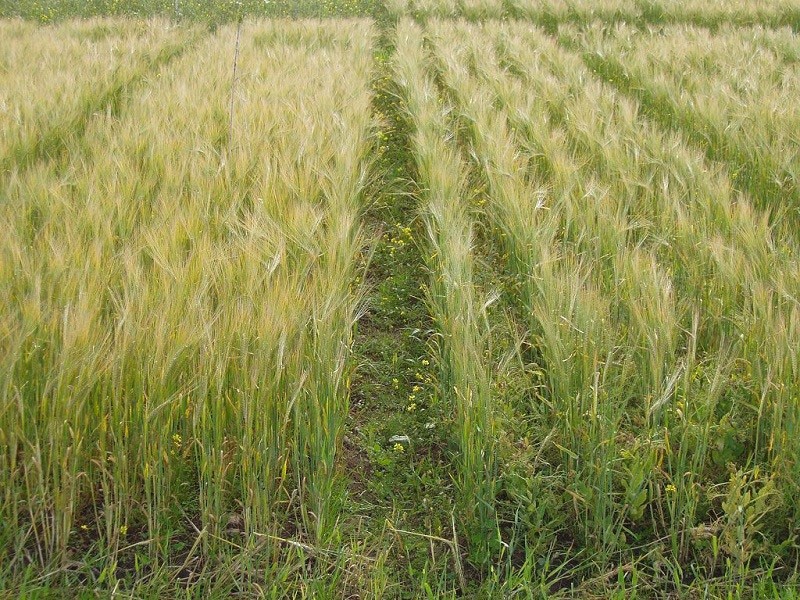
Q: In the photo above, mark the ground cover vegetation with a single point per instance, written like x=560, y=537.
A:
x=425, y=298
x=207, y=11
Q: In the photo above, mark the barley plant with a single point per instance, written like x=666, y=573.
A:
x=636, y=306
x=730, y=93
x=469, y=298
x=454, y=299
x=740, y=12
x=550, y=12
x=396, y=8
x=704, y=13
x=478, y=10
x=178, y=301
x=422, y=9
x=112, y=54
x=213, y=12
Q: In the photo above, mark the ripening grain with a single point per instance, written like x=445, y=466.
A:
x=729, y=92
x=453, y=296
x=584, y=213
x=49, y=84
x=179, y=309
x=646, y=277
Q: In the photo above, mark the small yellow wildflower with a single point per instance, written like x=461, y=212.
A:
x=123, y=530
x=399, y=448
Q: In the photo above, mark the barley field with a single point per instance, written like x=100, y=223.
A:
x=400, y=299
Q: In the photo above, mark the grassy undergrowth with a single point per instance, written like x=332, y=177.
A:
x=400, y=487
x=206, y=11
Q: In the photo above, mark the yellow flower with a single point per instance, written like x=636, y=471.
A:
x=399, y=448
x=123, y=530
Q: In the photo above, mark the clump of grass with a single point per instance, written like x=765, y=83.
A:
x=713, y=14
x=644, y=13
x=479, y=10
x=424, y=9
x=550, y=13
x=396, y=8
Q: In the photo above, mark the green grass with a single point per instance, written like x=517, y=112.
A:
x=207, y=11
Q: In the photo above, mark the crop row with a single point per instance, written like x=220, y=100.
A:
x=661, y=305
x=731, y=93
x=452, y=294
x=177, y=298
x=551, y=13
